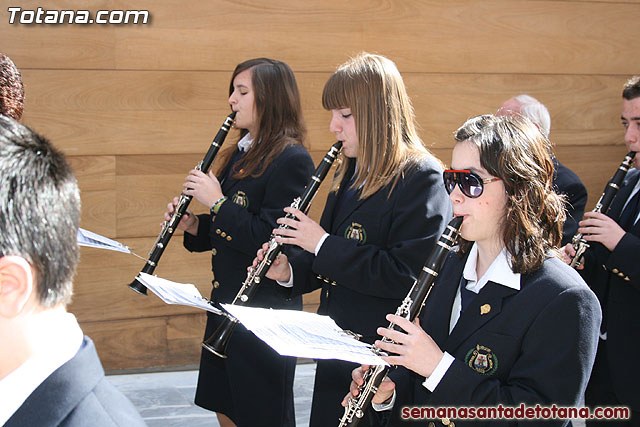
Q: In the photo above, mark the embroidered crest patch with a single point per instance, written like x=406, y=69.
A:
x=240, y=198
x=482, y=360
x=356, y=232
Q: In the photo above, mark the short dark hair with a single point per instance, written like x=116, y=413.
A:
x=631, y=88
x=39, y=209
x=514, y=149
x=11, y=89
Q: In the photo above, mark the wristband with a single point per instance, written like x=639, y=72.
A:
x=215, y=208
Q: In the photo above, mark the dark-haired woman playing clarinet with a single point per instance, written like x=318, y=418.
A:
x=506, y=322
x=265, y=172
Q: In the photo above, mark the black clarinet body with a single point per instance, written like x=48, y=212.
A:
x=168, y=227
x=580, y=245
x=409, y=309
x=217, y=342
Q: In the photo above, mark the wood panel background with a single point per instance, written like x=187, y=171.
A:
x=135, y=107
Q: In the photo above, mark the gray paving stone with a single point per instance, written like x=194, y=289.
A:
x=165, y=399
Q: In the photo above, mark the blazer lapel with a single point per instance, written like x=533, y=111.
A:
x=436, y=314
x=484, y=307
x=227, y=182
x=326, y=221
x=623, y=194
x=347, y=208
x=228, y=185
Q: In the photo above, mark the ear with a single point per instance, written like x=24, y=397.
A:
x=16, y=285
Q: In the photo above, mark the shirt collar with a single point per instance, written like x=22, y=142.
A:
x=245, y=143
x=499, y=271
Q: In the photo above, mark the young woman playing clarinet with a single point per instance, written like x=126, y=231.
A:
x=386, y=209
x=267, y=169
x=507, y=322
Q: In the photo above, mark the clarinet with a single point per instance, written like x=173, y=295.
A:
x=217, y=342
x=168, y=227
x=409, y=309
x=579, y=244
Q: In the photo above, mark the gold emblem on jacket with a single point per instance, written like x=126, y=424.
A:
x=356, y=232
x=482, y=360
x=240, y=198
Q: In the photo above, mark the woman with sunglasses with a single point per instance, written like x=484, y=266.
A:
x=507, y=322
x=386, y=209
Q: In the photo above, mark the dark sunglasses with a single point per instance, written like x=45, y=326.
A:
x=470, y=183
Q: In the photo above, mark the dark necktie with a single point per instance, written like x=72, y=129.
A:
x=347, y=195
x=466, y=295
x=227, y=170
x=628, y=215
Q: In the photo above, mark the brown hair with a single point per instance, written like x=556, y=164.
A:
x=11, y=89
x=513, y=148
x=278, y=113
x=372, y=87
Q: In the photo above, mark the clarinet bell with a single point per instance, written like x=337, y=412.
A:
x=217, y=342
x=138, y=287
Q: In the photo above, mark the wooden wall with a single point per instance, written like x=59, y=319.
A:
x=136, y=106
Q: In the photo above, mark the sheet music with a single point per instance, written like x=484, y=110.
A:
x=302, y=334
x=93, y=240
x=176, y=293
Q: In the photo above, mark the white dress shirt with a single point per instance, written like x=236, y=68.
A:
x=245, y=143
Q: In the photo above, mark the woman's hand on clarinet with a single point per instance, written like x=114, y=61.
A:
x=567, y=254
x=597, y=227
x=204, y=187
x=188, y=222
x=303, y=231
x=279, y=269
x=384, y=393
x=414, y=348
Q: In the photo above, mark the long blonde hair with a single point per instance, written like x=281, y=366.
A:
x=372, y=87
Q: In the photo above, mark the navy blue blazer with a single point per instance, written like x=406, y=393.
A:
x=245, y=221
x=376, y=248
x=615, y=278
x=566, y=182
x=535, y=345
x=77, y=395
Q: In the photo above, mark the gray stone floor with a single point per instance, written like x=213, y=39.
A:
x=165, y=399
